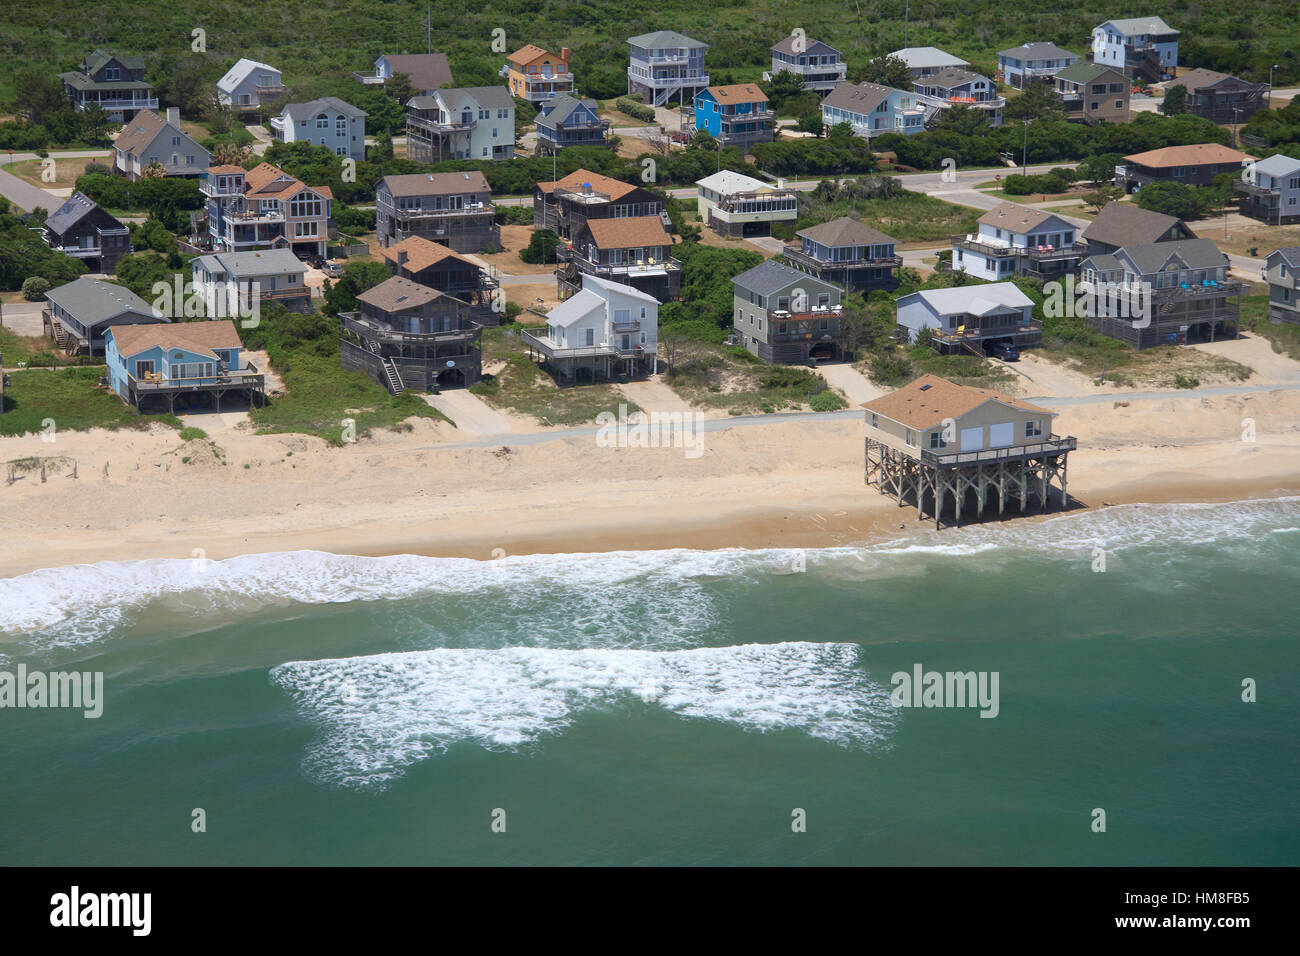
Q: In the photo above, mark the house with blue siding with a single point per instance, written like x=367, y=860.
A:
x=328, y=121
x=569, y=121
x=180, y=365
x=736, y=115
x=871, y=109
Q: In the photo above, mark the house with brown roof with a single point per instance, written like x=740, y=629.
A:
x=1122, y=224
x=735, y=115
x=935, y=443
x=960, y=87
x=427, y=71
x=848, y=252
x=565, y=205
x=1190, y=165
x=1018, y=240
x=1219, y=97
x=406, y=335
x=452, y=209
x=262, y=208
x=438, y=267
x=537, y=75
x=149, y=138
x=180, y=365
x=634, y=250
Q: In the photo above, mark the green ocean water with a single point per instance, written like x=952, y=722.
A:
x=675, y=707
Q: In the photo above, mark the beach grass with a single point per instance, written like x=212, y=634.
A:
x=320, y=396
x=731, y=378
x=1284, y=337
x=70, y=399
x=523, y=386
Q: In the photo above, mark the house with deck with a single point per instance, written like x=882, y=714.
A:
x=937, y=444
x=819, y=65
x=1122, y=224
x=453, y=209
x=732, y=204
x=148, y=138
x=1162, y=293
x=1219, y=97
x=565, y=205
x=230, y=282
x=1281, y=267
x=329, y=121
x=407, y=335
x=77, y=314
x=439, y=267
x=1018, y=240
x=1092, y=92
x=871, y=109
x=736, y=115
x=635, y=251
x=958, y=87
x=1144, y=49
x=928, y=60
x=786, y=316
x=180, y=366
x=847, y=252
x=971, y=318
x=426, y=71
x=113, y=82
x=1269, y=190
x=569, y=121
x=1190, y=165
x=1021, y=65
x=537, y=75
x=605, y=330
x=263, y=208
x=81, y=229
x=475, y=122
x=250, y=85
x=666, y=65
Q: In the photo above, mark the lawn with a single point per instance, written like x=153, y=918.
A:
x=523, y=386
x=320, y=394
x=900, y=365
x=66, y=171
x=1284, y=337
x=15, y=348
x=70, y=399
x=909, y=217
x=731, y=378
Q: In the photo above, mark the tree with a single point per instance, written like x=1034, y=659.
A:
x=341, y=296
x=540, y=248
x=1099, y=169
x=1102, y=196
x=154, y=170
x=400, y=88
x=38, y=94
x=885, y=71
x=811, y=123
x=95, y=124
x=1038, y=101
x=1175, y=100
x=1172, y=199
x=34, y=289
x=230, y=154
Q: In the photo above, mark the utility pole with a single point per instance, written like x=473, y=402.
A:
x=1235, y=111
x=1268, y=103
x=1024, y=150
x=428, y=28
x=907, y=18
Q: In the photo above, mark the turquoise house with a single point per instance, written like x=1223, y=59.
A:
x=180, y=365
x=736, y=115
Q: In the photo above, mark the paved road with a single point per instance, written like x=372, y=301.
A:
x=22, y=318
x=26, y=196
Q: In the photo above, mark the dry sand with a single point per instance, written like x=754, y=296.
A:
x=796, y=484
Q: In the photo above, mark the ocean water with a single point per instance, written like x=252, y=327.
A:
x=676, y=707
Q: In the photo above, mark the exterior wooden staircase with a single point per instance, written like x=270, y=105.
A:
x=395, y=384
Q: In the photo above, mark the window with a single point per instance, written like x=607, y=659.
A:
x=485, y=150
x=875, y=420
x=1094, y=105
x=143, y=368
x=1119, y=104
x=341, y=126
x=340, y=150
x=176, y=140
x=1034, y=428
x=322, y=121
x=909, y=437
x=936, y=441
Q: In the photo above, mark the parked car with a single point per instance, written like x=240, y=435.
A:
x=332, y=269
x=1004, y=351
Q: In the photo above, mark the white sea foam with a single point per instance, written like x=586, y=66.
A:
x=377, y=715
x=601, y=593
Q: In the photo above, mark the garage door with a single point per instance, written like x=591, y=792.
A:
x=1000, y=436
x=972, y=439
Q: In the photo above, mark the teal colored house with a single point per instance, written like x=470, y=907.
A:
x=737, y=115
x=180, y=365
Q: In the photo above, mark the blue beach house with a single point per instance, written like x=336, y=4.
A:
x=179, y=364
x=736, y=115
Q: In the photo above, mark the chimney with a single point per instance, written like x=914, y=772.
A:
x=564, y=55
x=174, y=116
x=401, y=258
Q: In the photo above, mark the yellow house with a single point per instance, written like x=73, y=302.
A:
x=535, y=75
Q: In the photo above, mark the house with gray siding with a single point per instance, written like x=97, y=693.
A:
x=79, y=228
x=817, y=64
x=468, y=123
x=113, y=82
x=77, y=314
x=1142, y=48
x=971, y=318
x=148, y=139
x=786, y=316
x=1281, y=268
x=1269, y=190
x=453, y=209
x=846, y=251
x=666, y=65
x=567, y=120
x=249, y=85
x=1021, y=65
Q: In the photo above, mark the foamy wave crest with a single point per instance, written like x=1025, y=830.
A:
x=83, y=602
x=1117, y=528
x=378, y=715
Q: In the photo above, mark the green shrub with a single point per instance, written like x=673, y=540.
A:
x=827, y=401
x=541, y=248
x=34, y=289
x=632, y=108
x=190, y=434
x=1185, y=381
